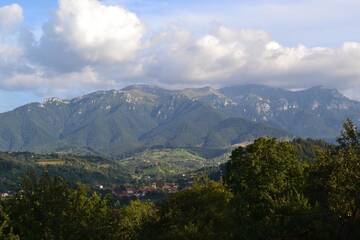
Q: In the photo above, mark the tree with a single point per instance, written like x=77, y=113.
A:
x=318, y=191
x=267, y=179
x=344, y=182
x=350, y=136
x=47, y=208
x=334, y=185
x=200, y=212
x=135, y=217
x=6, y=231
x=91, y=216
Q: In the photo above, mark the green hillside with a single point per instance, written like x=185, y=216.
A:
x=86, y=169
x=142, y=168
x=118, y=122
x=162, y=164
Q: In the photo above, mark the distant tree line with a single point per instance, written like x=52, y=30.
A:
x=270, y=189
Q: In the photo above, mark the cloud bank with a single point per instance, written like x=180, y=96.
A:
x=88, y=45
x=227, y=56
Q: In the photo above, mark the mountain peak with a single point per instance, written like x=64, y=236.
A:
x=141, y=87
x=331, y=92
x=200, y=92
x=55, y=100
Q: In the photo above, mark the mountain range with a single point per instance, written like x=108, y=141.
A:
x=138, y=117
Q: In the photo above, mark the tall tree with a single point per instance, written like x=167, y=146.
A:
x=6, y=231
x=135, y=218
x=350, y=136
x=268, y=179
x=201, y=213
x=344, y=197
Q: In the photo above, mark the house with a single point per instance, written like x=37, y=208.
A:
x=170, y=187
x=5, y=195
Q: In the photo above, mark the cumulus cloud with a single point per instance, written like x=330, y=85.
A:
x=89, y=45
x=209, y=58
x=227, y=56
x=98, y=32
x=10, y=17
x=84, y=32
x=86, y=45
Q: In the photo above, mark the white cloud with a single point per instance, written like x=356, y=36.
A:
x=9, y=54
x=23, y=81
x=47, y=84
x=98, y=32
x=213, y=58
x=227, y=56
x=86, y=46
x=90, y=32
x=90, y=45
x=10, y=17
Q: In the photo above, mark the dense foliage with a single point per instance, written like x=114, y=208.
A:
x=268, y=182
x=90, y=170
x=270, y=189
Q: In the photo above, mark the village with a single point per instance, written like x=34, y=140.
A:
x=128, y=192
x=140, y=192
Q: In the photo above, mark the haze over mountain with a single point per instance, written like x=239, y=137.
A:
x=142, y=116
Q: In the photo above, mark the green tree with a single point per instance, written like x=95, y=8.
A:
x=344, y=182
x=318, y=191
x=135, y=217
x=47, y=208
x=91, y=216
x=350, y=136
x=268, y=180
x=6, y=231
x=334, y=186
x=200, y=212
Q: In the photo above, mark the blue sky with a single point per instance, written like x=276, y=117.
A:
x=319, y=27
x=12, y=99
x=36, y=12
x=303, y=43
x=328, y=23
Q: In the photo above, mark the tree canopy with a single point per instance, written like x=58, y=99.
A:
x=271, y=189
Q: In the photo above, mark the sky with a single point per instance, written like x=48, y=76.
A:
x=66, y=48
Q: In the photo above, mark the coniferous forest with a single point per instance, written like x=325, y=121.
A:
x=271, y=189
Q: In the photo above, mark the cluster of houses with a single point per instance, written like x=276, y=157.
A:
x=139, y=192
x=130, y=191
x=5, y=194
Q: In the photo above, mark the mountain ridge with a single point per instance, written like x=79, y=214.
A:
x=144, y=116
x=147, y=87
